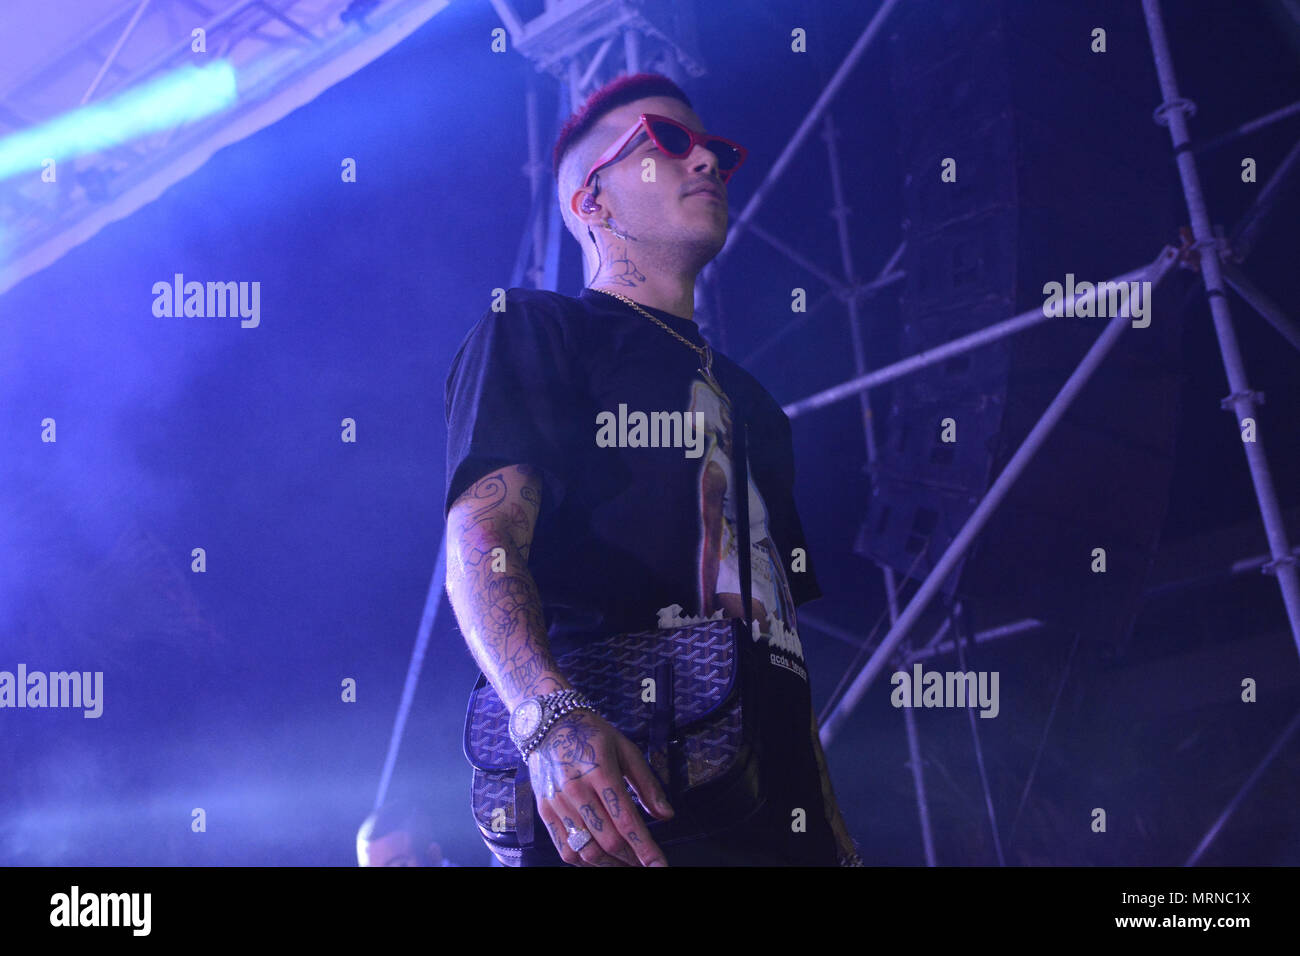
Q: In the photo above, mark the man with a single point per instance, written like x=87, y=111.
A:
x=563, y=528
x=398, y=834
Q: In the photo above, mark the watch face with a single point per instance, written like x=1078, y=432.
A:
x=526, y=719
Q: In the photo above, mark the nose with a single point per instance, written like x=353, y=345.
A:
x=702, y=159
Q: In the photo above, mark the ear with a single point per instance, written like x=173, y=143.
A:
x=575, y=206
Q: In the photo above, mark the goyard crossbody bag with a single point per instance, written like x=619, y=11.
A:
x=698, y=730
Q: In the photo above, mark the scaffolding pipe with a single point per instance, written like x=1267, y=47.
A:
x=956, y=551
x=1217, y=826
x=809, y=121
x=1269, y=310
x=1172, y=112
x=940, y=353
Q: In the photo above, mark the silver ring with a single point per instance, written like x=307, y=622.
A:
x=578, y=839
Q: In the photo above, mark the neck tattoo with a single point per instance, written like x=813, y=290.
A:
x=623, y=271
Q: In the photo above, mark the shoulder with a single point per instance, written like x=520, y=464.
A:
x=531, y=313
x=762, y=407
x=524, y=329
x=542, y=300
x=540, y=304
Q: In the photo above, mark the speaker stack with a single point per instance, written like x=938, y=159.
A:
x=1051, y=178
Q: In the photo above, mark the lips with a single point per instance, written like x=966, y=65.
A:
x=713, y=191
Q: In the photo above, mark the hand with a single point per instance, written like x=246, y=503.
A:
x=578, y=775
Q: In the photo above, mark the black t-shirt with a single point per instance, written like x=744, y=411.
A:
x=637, y=523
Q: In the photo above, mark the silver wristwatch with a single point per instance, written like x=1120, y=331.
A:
x=534, y=717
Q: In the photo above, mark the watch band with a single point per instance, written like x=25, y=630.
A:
x=554, y=706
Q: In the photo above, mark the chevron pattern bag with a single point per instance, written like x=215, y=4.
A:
x=698, y=731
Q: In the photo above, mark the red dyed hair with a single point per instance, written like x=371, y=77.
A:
x=617, y=92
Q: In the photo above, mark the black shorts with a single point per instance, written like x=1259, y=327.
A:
x=769, y=841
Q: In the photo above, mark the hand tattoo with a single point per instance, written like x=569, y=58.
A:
x=593, y=819
x=567, y=753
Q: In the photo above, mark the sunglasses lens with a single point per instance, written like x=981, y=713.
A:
x=676, y=141
x=727, y=154
x=673, y=138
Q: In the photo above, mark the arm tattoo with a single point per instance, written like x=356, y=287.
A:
x=497, y=601
x=531, y=495
x=508, y=604
x=522, y=675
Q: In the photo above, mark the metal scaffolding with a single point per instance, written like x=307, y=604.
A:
x=283, y=53
x=583, y=43
x=1241, y=401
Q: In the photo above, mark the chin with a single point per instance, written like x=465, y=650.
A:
x=707, y=241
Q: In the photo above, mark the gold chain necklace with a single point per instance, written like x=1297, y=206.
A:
x=705, y=353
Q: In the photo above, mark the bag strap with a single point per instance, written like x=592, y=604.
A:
x=740, y=444
x=523, y=796
x=662, y=720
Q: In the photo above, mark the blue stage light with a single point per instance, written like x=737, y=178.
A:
x=178, y=97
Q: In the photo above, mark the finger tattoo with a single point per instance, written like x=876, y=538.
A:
x=611, y=800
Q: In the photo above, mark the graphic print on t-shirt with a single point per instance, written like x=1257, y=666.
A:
x=718, y=594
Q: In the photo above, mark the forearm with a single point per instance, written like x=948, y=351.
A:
x=496, y=599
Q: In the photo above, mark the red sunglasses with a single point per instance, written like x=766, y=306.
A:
x=677, y=141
